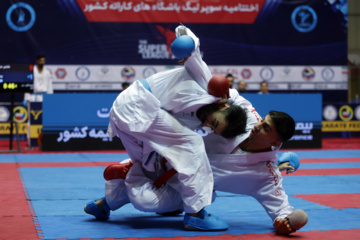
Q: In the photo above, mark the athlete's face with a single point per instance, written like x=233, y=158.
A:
x=264, y=133
x=40, y=62
x=214, y=117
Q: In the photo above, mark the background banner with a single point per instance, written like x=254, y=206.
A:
x=232, y=32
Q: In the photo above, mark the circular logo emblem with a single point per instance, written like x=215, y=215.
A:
x=20, y=17
x=266, y=73
x=148, y=71
x=246, y=73
x=20, y=114
x=82, y=73
x=304, y=19
x=357, y=112
x=327, y=74
x=329, y=113
x=308, y=73
x=346, y=113
x=128, y=73
x=4, y=114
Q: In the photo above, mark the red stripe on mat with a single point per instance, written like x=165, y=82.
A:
x=299, y=172
x=329, y=160
x=66, y=164
x=323, y=172
x=16, y=221
x=313, y=235
x=334, y=200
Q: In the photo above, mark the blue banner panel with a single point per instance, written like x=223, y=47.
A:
x=257, y=32
x=302, y=107
x=76, y=110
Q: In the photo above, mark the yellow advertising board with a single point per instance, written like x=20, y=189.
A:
x=340, y=126
x=5, y=128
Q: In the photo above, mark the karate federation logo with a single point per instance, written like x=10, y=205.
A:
x=304, y=19
x=128, y=73
x=20, y=17
x=20, y=114
x=308, y=73
x=346, y=113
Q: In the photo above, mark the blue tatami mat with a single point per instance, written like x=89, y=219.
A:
x=64, y=157
x=59, y=194
x=328, y=153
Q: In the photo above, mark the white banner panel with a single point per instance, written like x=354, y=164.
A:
x=110, y=77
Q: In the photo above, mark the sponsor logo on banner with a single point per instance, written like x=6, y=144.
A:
x=330, y=113
x=20, y=114
x=153, y=51
x=235, y=11
x=60, y=73
x=82, y=73
x=4, y=114
x=246, y=73
x=286, y=71
x=346, y=113
x=304, y=19
x=308, y=73
x=20, y=17
x=305, y=127
x=128, y=73
x=327, y=74
x=5, y=128
x=104, y=72
x=148, y=71
x=266, y=74
x=35, y=114
x=357, y=112
x=67, y=135
x=225, y=70
x=340, y=126
x=35, y=131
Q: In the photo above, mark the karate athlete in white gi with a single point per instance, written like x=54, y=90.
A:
x=141, y=117
x=246, y=164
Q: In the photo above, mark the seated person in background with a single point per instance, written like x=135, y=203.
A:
x=125, y=85
x=264, y=87
x=230, y=78
x=242, y=86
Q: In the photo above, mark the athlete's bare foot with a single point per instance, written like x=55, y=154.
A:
x=282, y=226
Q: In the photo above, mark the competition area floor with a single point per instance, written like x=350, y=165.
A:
x=43, y=195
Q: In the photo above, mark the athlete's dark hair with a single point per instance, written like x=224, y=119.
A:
x=236, y=118
x=284, y=124
x=40, y=56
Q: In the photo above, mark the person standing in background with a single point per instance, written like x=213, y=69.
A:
x=42, y=81
x=42, y=76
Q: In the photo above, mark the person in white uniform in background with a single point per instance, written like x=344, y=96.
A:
x=141, y=117
x=42, y=81
x=42, y=76
x=245, y=164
